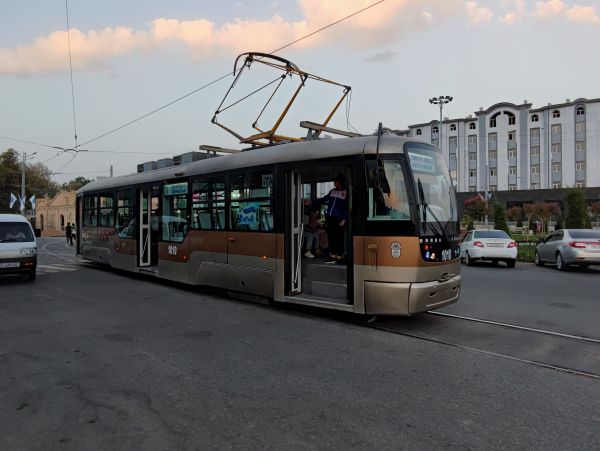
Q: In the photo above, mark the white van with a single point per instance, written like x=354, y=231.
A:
x=18, y=246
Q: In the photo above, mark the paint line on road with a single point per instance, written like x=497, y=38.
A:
x=514, y=326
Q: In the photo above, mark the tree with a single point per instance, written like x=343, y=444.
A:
x=515, y=214
x=500, y=217
x=476, y=208
x=595, y=211
x=75, y=184
x=576, y=210
x=542, y=211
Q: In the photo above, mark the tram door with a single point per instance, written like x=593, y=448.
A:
x=295, y=231
x=145, y=233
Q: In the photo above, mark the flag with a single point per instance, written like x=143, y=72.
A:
x=13, y=199
x=32, y=201
x=22, y=202
x=488, y=195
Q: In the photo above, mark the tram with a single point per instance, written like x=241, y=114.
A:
x=236, y=222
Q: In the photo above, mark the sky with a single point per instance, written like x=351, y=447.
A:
x=131, y=57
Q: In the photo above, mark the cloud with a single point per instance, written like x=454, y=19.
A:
x=546, y=10
x=384, y=23
x=478, y=15
x=381, y=57
x=516, y=13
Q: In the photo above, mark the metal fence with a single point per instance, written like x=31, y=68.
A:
x=526, y=250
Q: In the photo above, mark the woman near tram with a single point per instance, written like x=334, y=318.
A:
x=336, y=217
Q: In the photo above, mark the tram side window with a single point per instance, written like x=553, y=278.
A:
x=208, y=204
x=90, y=210
x=252, y=201
x=107, y=210
x=125, y=214
x=174, y=218
x=387, y=196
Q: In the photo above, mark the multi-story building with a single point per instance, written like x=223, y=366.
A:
x=510, y=147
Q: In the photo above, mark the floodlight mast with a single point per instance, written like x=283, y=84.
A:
x=289, y=69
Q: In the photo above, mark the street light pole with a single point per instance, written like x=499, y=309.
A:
x=23, y=166
x=441, y=101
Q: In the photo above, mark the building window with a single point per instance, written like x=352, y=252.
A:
x=555, y=148
x=580, y=166
x=472, y=189
x=580, y=127
x=492, y=137
x=419, y=132
x=493, y=172
x=556, y=129
x=535, y=169
x=556, y=114
x=453, y=128
x=493, y=188
x=556, y=167
x=512, y=170
x=453, y=157
x=492, y=155
x=512, y=120
x=511, y=136
x=512, y=187
x=580, y=111
x=472, y=126
x=579, y=146
x=472, y=173
x=472, y=156
x=453, y=141
x=535, y=151
x=435, y=142
x=556, y=186
x=535, y=132
x=535, y=186
x=535, y=118
x=435, y=129
x=492, y=122
x=512, y=153
x=472, y=139
x=580, y=185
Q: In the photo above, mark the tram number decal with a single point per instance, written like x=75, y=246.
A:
x=172, y=249
x=446, y=255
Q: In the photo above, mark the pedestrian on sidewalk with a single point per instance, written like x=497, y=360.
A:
x=69, y=233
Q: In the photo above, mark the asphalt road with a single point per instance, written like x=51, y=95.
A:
x=93, y=359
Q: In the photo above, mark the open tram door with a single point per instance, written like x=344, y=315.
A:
x=314, y=279
x=148, y=220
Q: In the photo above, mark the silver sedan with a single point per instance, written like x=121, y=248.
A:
x=568, y=247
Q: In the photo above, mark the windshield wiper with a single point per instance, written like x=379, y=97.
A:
x=428, y=208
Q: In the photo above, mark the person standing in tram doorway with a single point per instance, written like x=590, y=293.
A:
x=336, y=217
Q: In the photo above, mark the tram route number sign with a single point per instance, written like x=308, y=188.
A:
x=172, y=249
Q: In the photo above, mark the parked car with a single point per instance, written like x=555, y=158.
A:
x=491, y=245
x=568, y=247
x=18, y=246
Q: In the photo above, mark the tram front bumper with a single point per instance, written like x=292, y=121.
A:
x=405, y=299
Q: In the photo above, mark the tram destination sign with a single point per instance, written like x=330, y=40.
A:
x=175, y=189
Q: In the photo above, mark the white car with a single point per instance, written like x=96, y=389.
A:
x=491, y=245
x=18, y=246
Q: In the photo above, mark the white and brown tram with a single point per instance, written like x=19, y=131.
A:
x=236, y=222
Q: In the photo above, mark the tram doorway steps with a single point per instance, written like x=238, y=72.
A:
x=319, y=301
x=151, y=270
x=324, y=280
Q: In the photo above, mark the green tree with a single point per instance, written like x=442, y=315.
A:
x=576, y=209
x=500, y=217
x=476, y=208
x=75, y=184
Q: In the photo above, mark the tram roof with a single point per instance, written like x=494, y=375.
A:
x=282, y=153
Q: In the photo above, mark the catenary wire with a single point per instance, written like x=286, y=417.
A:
x=156, y=110
x=71, y=72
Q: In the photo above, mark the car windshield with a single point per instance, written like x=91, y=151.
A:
x=490, y=234
x=584, y=234
x=14, y=232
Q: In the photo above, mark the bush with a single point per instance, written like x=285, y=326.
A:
x=576, y=209
x=500, y=217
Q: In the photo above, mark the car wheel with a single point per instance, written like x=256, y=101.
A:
x=494, y=262
x=32, y=275
x=560, y=263
x=468, y=260
x=538, y=261
x=511, y=263
x=584, y=266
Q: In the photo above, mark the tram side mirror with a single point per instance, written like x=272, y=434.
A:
x=37, y=232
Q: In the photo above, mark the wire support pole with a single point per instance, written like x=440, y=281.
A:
x=71, y=72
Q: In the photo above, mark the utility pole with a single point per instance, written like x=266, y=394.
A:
x=22, y=200
x=111, y=171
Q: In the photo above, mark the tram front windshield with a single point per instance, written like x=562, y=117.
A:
x=434, y=189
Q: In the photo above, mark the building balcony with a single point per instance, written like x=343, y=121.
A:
x=492, y=145
x=580, y=136
x=472, y=147
x=556, y=177
x=580, y=118
x=580, y=176
x=535, y=141
x=472, y=164
x=580, y=155
x=512, y=179
x=472, y=181
x=493, y=163
x=452, y=165
x=556, y=139
x=493, y=180
x=512, y=145
x=535, y=178
x=556, y=157
x=512, y=161
x=535, y=159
